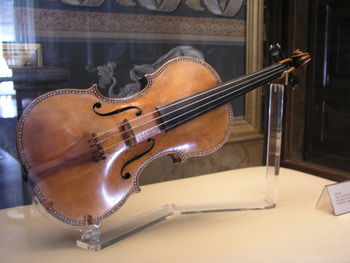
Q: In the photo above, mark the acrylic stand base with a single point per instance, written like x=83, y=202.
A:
x=92, y=238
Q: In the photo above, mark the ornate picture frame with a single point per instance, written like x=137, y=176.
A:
x=249, y=127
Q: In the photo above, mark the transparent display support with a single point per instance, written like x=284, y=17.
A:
x=93, y=238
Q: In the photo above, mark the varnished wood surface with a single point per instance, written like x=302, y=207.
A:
x=55, y=134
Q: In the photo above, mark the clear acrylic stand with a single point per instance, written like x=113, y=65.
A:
x=93, y=238
x=274, y=140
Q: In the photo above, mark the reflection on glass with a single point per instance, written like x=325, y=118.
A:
x=54, y=44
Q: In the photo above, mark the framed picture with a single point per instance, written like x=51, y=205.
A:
x=22, y=54
x=249, y=127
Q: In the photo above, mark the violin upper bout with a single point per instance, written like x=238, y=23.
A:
x=207, y=134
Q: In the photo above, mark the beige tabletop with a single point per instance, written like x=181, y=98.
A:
x=294, y=231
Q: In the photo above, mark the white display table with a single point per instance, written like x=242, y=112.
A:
x=294, y=231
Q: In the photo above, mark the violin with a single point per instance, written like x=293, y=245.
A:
x=84, y=152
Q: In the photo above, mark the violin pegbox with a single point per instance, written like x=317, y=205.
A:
x=300, y=58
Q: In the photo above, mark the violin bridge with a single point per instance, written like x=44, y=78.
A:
x=98, y=154
x=127, y=133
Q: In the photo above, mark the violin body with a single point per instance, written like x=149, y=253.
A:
x=85, y=152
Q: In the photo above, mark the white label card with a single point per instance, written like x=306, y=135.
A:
x=340, y=197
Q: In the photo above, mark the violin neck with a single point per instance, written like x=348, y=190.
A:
x=186, y=109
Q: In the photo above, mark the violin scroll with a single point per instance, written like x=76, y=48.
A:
x=299, y=59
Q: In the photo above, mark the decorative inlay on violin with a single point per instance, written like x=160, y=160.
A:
x=85, y=151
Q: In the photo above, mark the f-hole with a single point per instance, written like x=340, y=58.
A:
x=127, y=175
x=98, y=105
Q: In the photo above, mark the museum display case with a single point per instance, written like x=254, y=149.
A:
x=83, y=149
x=50, y=45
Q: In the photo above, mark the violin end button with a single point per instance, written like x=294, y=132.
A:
x=88, y=220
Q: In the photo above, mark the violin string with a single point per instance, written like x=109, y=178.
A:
x=178, y=116
x=194, y=96
x=142, y=124
x=151, y=120
x=209, y=90
x=153, y=127
x=191, y=97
